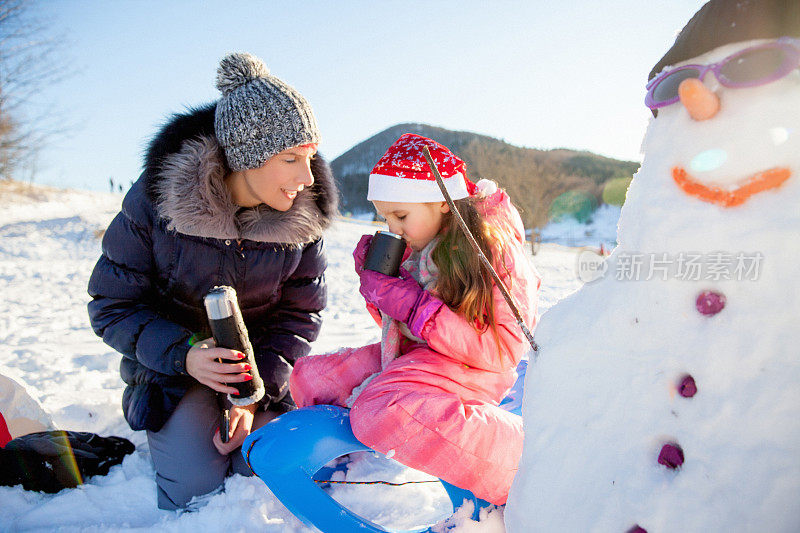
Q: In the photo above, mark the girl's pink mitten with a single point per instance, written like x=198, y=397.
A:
x=360, y=253
x=402, y=299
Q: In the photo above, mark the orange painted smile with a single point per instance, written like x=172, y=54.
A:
x=759, y=182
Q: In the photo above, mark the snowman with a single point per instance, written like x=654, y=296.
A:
x=666, y=392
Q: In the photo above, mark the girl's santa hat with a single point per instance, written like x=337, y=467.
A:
x=403, y=174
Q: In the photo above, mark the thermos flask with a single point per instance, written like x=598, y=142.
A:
x=385, y=253
x=229, y=331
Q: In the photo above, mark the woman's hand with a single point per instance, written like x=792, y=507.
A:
x=241, y=424
x=203, y=365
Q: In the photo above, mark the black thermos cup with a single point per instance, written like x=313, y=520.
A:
x=385, y=253
x=229, y=331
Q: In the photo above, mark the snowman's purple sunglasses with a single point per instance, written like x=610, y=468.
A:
x=751, y=67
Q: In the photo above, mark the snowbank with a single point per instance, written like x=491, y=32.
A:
x=49, y=242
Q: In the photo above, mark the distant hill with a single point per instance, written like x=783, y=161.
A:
x=533, y=178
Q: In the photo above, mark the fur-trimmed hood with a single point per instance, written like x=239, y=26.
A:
x=185, y=169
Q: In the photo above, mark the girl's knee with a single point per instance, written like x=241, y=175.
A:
x=308, y=369
x=302, y=381
x=375, y=416
x=298, y=374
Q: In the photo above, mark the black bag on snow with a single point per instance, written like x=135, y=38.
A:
x=53, y=460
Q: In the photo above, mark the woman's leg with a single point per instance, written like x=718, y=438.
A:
x=238, y=462
x=186, y=461
x=330, y=378
x=472, y=444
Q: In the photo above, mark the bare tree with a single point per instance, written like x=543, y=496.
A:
x=27, y=63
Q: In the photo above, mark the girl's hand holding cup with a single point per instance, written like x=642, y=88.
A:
x=402, y=298
x=203, y=364
x=360, y=253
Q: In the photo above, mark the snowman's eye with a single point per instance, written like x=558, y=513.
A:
x=754, y=67
x=667, y=88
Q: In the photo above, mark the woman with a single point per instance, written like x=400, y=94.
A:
x=232, y=194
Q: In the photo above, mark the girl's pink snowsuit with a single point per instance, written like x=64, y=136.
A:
x=435, y=406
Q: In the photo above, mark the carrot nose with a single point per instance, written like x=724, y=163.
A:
x=699, y=101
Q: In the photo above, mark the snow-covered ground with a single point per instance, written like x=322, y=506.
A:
x=49, y=242
x=601, y=228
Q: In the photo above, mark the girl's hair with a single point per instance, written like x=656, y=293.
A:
x=464, y=283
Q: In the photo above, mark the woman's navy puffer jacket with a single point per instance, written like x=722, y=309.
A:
x=178, y=235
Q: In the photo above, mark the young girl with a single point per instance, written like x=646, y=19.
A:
x=428, y=393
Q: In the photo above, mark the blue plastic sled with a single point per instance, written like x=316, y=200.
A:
x=290, y=450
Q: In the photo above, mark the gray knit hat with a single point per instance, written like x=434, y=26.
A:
x=258, y=115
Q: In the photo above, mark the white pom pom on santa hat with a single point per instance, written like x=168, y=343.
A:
x=486, y=188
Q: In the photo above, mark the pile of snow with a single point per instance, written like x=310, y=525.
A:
x=601, y=228
x=49, y=242
x=695, y=289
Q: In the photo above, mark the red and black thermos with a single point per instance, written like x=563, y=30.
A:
x=229, y=331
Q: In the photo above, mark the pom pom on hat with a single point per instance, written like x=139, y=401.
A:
x=237, y=69
x=485, y=188
x=403, y=174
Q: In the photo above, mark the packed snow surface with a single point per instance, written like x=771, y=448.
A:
x=605, y=396
x=600, y=229
x=49, y=242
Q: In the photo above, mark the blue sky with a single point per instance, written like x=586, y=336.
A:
x=541, y=74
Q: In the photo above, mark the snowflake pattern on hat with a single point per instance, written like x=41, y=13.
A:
x=405, y=159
